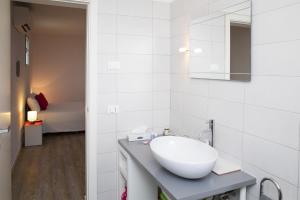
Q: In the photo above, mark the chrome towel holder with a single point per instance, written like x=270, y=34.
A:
x=262, y=196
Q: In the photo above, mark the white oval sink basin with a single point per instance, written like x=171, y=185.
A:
x=185, y=157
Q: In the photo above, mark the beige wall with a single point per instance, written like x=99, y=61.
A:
x=58, y=67
x=5, y=61
x=19, y=90
x=5, y=170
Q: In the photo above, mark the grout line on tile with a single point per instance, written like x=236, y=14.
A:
x=274, y=9
x=271, y=174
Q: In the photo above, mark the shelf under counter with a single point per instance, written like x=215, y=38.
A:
x=179, y=188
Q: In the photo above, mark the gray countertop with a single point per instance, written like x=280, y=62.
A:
x=181, y=188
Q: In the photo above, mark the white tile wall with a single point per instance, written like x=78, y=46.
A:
x=257, y=123
x=273, y=125
x=108, y=195
x=107, y=6
x=130, y=120
x=107, y=83
x=161, y=100
x=107, y=143
x=135, y=33
x=161, y=10
x=161, y=64
x=107, y=23
x=196, y=105
x=283, y=30
x=268, y=5
x=267, y=65
x=197, y=87
x=107, y=43
x=192, y=126
x=107, y=162
x=132, y=63
x=227, y=90
x=138, y=8
x=274, y=92
x=134, y=44
x=107, y=181
x=161, y=82
x=226, y=113
x=107, y=123
x=134, y=26
x=161, y=28
x=103, y=60
x=135, y=83
x=135, y=101
x=106, y=99
x=161, y=45
x=229, y=141
x=273, y=158
x=161, y=118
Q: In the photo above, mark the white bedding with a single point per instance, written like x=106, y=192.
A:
x=63, y=117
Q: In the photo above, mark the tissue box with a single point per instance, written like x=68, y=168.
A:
x=139, y=137
x=139, y=133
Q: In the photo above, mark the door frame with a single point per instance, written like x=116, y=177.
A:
x=91, y=86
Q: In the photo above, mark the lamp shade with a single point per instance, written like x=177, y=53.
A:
x=32, y=116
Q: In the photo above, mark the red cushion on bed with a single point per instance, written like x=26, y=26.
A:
x=42, y=101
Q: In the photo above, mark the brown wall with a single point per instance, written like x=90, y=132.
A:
x=58, y=66
x=240, y=52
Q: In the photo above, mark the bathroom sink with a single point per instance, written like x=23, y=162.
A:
x=185, y=157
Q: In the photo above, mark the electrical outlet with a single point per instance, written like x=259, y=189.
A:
x=113, y=109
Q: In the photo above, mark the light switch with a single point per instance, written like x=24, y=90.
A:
x=113, y=109
x=113, y=65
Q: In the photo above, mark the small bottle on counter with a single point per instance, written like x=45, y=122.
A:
x=166, y=132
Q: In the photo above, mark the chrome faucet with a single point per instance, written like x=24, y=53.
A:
x=208, y=138
x=211, y=125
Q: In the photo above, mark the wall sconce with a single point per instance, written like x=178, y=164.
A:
x=183, y=50
x=198, y=50
x=32, y=116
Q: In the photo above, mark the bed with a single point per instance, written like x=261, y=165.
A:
x=63, y=117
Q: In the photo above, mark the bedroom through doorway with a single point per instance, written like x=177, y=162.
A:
x=48, y=101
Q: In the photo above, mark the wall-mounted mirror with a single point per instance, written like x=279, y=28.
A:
x=220, y=44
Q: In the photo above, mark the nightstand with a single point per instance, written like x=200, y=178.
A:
x=33, y=133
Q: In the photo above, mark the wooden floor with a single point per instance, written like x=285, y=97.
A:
x=53, y=171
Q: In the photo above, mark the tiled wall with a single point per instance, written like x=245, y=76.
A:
x=257, y=123
x=137, y=34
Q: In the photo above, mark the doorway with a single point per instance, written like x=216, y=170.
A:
x=48, y=79
x=90, y=86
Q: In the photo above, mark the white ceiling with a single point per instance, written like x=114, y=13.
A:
x=57, y=20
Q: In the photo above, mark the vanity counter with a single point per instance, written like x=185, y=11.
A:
x=180, y=188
